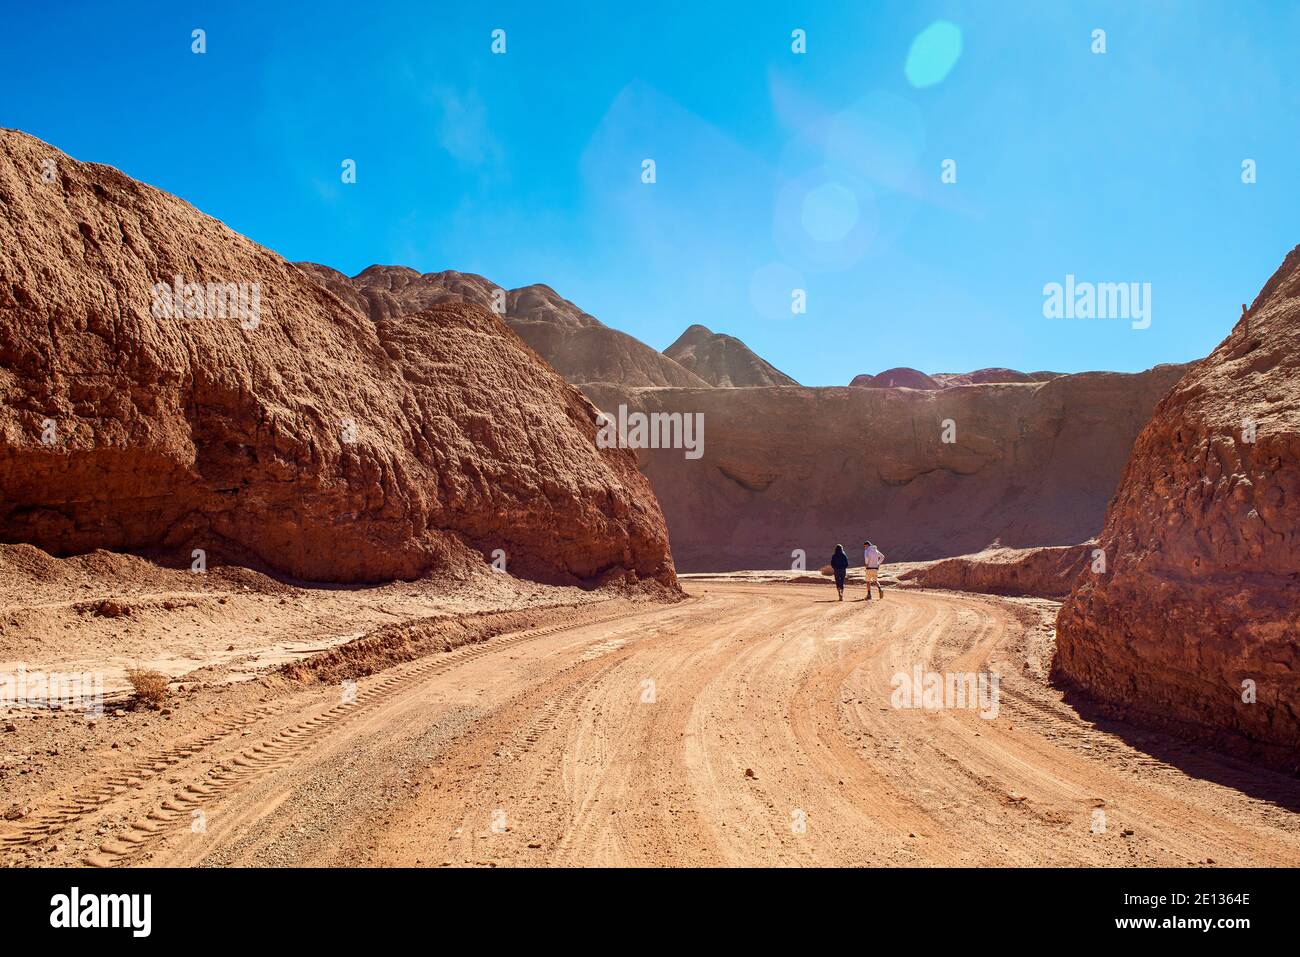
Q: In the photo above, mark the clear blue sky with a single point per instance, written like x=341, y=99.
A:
x=773, y=168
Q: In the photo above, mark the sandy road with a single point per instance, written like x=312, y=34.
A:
x=751, y=725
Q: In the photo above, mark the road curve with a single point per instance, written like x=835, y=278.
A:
x=752, y=725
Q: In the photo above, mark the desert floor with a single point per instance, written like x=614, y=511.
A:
x=749, y=725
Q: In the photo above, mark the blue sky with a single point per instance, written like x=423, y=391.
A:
x=774, y=170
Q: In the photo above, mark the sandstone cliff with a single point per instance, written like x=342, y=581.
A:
x=803, y=468
x=254, y=414
x=1202, y=601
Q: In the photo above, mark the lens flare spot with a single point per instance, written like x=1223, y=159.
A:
x=934, y=53
x=829, y=212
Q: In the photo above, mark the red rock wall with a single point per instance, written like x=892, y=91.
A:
x=1203, y=539
x=183, y=433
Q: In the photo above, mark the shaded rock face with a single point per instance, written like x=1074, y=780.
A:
x=1035, y=572
x=308, y=439
x=723, y=361
x=801, y=468
x=1203, y=544
x=577, y=345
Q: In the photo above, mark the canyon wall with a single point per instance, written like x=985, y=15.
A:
x=256, y=415
x=1198, y=620
x=787, y=468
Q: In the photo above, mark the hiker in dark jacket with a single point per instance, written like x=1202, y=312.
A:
x=840, y=565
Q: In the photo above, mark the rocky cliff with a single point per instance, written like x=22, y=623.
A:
x=168, y=385
x=1198, y=620
x=927, y=474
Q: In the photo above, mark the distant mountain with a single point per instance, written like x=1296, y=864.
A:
x=723, y=360
x=901, y=378
x=905, y=378
x=577, y=345
x=985, y=376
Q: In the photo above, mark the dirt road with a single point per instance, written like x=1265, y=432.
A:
x=750, y=725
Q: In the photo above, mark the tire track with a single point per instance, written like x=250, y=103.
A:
x=289, y=744
x=92, y=796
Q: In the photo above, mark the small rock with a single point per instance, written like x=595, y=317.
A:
x=10, y=726
x=749, y=773
x=112, y=608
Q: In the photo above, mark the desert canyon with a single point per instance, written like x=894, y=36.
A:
x=401, y=594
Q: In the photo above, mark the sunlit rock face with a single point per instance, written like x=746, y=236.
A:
x=1196, y=621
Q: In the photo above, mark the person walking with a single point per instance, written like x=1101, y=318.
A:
x=840, y=565
x=873, y=558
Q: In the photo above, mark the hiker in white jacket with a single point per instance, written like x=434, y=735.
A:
x=873, y=558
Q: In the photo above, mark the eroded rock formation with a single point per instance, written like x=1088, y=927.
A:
x=797, y=468
x=169, y=385
x=1201, y=608
x=577, y=345
x=1048, y=572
